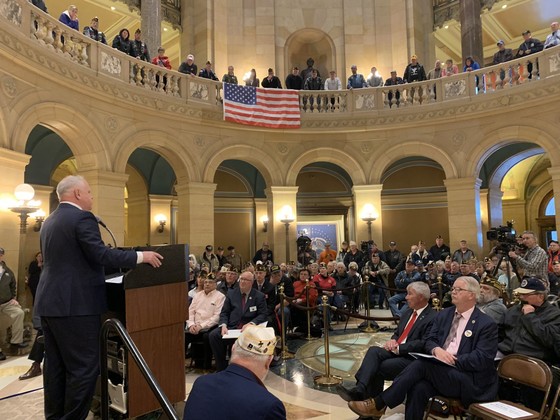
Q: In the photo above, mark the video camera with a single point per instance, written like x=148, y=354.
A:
x=505, y=236
x=366, y=247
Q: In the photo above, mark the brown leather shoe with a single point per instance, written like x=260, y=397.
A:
x=34, y=370
x=366, y=408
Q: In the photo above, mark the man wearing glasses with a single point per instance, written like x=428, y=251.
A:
x=458, y=362
x=535, y=261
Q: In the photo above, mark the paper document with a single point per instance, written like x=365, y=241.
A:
x=115, y=280
x=430, y=357
x=237, y=333
x=506, y=410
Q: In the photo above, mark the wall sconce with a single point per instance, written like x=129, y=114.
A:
x=39, y=216
x=369, y=214
x=264, y=221
x=161, y=219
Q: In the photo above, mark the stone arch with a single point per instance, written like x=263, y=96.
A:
x=72, y=126
x=310, y=43
x=327, y=154
x=498, y=175
x=534, y=203
x=507, y=135
x=160, y=142
x=395, y=153
x=264, y=163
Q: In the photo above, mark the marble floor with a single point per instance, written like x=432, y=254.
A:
x=292, y=381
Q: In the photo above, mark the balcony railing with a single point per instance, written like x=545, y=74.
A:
x=51, y=35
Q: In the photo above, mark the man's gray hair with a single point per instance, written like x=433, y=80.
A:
x=421, y=288
x=67, y=184
x=472, y=284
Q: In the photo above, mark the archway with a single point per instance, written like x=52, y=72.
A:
x=310, y=43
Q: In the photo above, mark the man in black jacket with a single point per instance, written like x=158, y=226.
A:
x=385, y=363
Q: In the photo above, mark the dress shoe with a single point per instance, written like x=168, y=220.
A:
x=366, y=408
x=34, y=370
x=2, y=356
x=352, y=394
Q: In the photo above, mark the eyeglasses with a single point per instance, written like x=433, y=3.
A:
x=458, y=289
x=244, y=279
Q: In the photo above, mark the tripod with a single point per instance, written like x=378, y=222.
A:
x=509, y=267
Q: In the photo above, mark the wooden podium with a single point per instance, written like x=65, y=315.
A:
x=155, y=313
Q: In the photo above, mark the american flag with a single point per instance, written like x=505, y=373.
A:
x=273, y=108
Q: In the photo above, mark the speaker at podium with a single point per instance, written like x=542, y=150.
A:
x=152, y=304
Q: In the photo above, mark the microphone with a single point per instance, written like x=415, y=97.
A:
x=106, y=228
x=101, y=222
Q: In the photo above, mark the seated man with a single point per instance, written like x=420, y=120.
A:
x=243, y=306
x=490, y=301
x=531, y=328
x=299, y=317
x=230, y=281
x=464, y=342
x=277, y=279
x=385, y=363
x=9, y=306
x=204, y=313
x=403, y=279
x=238, y=393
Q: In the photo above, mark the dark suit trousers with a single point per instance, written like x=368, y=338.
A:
x=379, y=365
x=37, y=351
x=424, y=379
x=219, y=348
x=71, y=365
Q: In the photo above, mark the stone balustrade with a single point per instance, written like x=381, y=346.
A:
x=50, y=34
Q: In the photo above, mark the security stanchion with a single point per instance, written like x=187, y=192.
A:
x=308, y=338
x=327, y=379
x=368, y=328
x=286, y=354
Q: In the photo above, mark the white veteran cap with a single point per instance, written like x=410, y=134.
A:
x=259, y=340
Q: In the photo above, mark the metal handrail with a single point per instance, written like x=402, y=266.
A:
x=140, y=362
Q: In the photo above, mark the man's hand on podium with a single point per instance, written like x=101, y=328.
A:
x=152, y=258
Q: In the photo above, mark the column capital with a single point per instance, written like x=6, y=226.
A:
x=554, y=172
x=195, y=187
x=107, y=178
x=13, y=160
x=280, y=190
x=462, y=183
x=370, y=188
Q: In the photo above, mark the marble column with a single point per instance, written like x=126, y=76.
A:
x=365, y=195
x=471, y=30
x=108, y=201
x=278, y=198
x=195, y=216
x=555, y=175
x=160, y=205
x=463, y=208
x=150, y=14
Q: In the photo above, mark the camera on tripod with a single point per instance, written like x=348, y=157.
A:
x=505, y=236
x=366, y=247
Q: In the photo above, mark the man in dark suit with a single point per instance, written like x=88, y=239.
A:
x=71, y=297
x=385, y=363
x=238, y=392
x=243, y=306
x=463, y=342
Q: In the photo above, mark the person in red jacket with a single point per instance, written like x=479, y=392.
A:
x=162, y=60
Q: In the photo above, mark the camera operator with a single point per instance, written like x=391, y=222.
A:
x=535, y=261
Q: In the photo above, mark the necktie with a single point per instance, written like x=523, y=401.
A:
x=408, y=328
x=243, y=301
x=452, y=331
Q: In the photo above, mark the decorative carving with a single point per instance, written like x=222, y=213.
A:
x=456, y=88
x=554, y=63
x=198, y=91
x=282, y=148
x=110, y=63
x=11, y=11
x=111, y=124
x=199, y=141
x=366, y=147
x=364, y=102
x=9, y=87
x=458, y=139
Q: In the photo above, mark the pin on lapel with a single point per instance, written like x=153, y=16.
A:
x=468, y=333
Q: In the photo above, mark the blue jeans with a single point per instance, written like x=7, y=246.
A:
x=394, y=304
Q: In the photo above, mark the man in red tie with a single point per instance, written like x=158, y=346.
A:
x=385, y=363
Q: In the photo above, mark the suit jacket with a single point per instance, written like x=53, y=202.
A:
x=416, y=339
x=233, y=315
x=72, y=279
x=477, y=350
x=233, y=394
x=270, y=295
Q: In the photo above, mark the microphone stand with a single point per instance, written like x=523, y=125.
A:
x=107, y=229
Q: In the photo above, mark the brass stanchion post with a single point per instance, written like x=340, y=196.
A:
x=327, y=379
x=286, y=354
x=368, y=328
